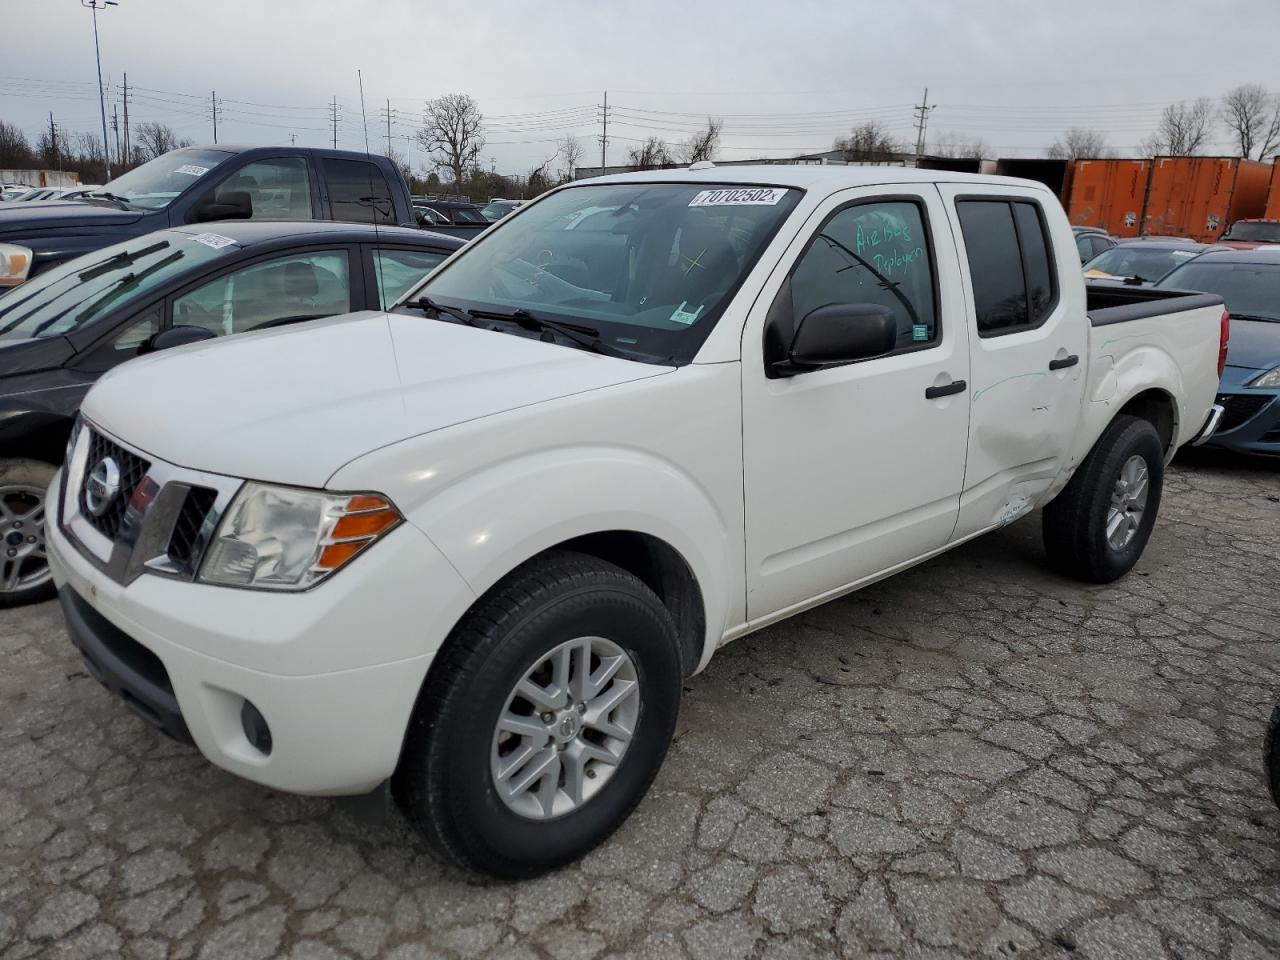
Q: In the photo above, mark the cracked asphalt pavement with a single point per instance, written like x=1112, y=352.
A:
x=975, y=758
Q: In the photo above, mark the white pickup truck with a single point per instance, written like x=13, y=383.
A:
x=467, y=550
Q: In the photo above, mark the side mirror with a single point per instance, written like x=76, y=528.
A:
x=231, y=205
x=177, y=336
x=840, y=333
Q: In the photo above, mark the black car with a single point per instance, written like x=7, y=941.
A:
x=63, y=330
x=1091, y=241
x=460, y=217
x=202, y=185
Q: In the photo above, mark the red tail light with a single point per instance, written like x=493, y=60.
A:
x=1223, y=336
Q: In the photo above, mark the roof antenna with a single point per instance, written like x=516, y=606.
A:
x=372, y=199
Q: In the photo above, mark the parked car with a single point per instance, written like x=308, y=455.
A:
x=1142, y=260
x=1091, y=241
x=11, y=191
x=1246, y=234
x=470, y=551
x=202, y=185
x=495, y=210
x=63, y=330
x=454, y=217
x=1249, y=282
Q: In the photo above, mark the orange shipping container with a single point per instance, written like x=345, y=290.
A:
x=1199, y=197
x=1109, y=194
x=1273, y=197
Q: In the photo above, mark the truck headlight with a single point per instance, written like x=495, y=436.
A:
x=1269, y=379
x=288, y=538
x=15, y=264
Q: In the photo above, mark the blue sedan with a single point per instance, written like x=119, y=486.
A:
x=1249, y=282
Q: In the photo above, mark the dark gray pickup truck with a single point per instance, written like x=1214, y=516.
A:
x=203, y=184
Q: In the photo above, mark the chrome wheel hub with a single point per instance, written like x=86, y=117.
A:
x=1128, y=503
x=23, y=562
x=565, y=728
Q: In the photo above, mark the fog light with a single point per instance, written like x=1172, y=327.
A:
x=255, y=728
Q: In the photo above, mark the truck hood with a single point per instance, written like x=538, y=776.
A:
x=293, y=404
x=23, y=219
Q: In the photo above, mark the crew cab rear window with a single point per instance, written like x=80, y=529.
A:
x=872, y=253
x=1009, y=264
x=358, y=192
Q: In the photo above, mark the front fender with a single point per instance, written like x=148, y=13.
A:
x=490, y=521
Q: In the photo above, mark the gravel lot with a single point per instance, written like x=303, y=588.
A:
x=973, y=759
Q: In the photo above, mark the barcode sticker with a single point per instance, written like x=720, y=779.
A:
x=740, y=196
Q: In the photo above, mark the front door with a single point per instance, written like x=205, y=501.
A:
x=1029, y=354
x=851, y=470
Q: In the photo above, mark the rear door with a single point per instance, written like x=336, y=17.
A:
x=1028, y=351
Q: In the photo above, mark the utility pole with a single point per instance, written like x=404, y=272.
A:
x=127, y=146
x=388, y=126
x=53, y=139
x=604, y=131
x=921, y=112
x=213, y=99
x=293, y=139
x=115, y=128
x=333, y=117
x=102, y=101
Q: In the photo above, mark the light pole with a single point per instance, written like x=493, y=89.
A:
x=94, y=5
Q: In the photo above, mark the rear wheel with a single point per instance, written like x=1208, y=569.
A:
x=1097, y=527
x=24, y=566
x=544, y=719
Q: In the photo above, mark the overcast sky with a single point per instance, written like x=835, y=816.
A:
x=786, y=77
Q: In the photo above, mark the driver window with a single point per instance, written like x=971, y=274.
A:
x=302, y=286
x=872, y=253
x=278, y=189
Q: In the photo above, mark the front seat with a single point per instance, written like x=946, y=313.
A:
x=702, y=268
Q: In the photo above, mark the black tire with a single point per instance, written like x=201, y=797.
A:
x=19, y=478
x=1075, y=522
x=444, y=783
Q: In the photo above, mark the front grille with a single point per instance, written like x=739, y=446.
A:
x=132, y=469
x=184, y=543
x=1238, y=408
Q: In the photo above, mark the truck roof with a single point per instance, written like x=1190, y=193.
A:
x=249, y=232
x=803, y=176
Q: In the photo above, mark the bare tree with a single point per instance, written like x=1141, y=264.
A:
x=453, y=133
x=651, y=154
x=154, y=139
x=961, y=146
x=1253, y=117
x=869, y=142
x=570, y=151
x=15, y=151
x=703, y=144
x=539, y=179
x=1183, y=131
x=1078, y=143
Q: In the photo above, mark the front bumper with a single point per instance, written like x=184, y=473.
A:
x=1251, y=423
x=333, y=671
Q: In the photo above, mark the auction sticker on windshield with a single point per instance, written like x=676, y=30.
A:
x=215, y=240
x=192, y=170
x=738, y=197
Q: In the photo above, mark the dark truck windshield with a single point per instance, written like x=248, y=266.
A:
x=1249, y=289
x=158, y=182
x=650, y=265
x=70, y=295
x=1256, y=231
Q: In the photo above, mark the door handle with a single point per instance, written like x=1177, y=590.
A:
x=955, y=386
x=1065, y=362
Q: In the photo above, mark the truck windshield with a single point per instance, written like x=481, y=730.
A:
x=67, y=297
x=650, y=265
x=158, y=182
x=1249, y=289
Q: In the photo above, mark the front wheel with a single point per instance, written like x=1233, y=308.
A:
x=1097, y=527
x=544, y=719
x=24, y=566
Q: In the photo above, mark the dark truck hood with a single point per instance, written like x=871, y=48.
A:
x=19, y=220
x=1254, y=344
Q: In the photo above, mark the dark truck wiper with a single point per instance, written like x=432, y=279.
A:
x=581, y=334
x=427, y=305
x=107, y=195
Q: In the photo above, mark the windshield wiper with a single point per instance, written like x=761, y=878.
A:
x=107, y=195
x=116, y=288
x=124, y=258
x=427, y=305
x=1252, y=316
x=581, y=334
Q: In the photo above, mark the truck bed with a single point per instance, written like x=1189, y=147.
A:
x=1108, y=303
